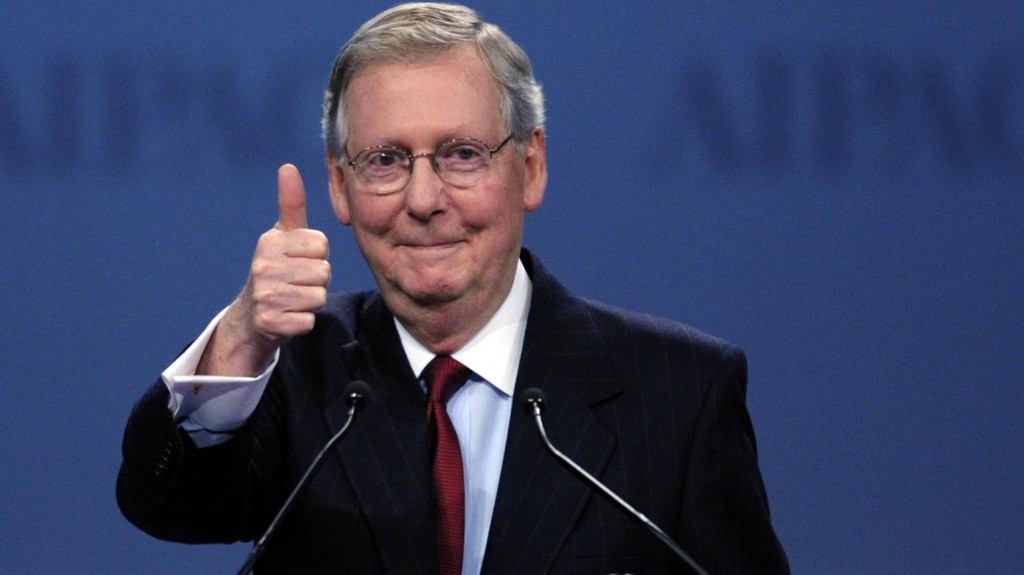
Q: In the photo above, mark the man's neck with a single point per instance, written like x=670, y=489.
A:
x=493, y=352
x=444, y=329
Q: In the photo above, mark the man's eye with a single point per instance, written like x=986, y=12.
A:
x=384, y=159
x=464, y=154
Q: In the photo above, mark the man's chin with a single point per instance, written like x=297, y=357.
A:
x=428, y=296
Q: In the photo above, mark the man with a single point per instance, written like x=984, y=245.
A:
x=435, y=152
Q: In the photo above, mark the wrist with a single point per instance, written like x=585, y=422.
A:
x=235, y=349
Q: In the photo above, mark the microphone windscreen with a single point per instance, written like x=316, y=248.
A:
x=533, y=396
x=357, y=390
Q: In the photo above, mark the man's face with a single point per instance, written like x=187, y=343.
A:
x=431, y=246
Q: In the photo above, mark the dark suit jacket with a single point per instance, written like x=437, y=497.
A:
x=653, y=408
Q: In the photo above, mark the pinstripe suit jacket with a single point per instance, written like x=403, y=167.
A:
x=655, y=409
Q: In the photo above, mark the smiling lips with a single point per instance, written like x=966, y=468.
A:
x=430, y=245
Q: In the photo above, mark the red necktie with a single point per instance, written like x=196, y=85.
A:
x=444, y=376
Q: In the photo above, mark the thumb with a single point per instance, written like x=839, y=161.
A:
x=291, y=199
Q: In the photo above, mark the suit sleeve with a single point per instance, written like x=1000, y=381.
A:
x=175, y=491
x=725, y=518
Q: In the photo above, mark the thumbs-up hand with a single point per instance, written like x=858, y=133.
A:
x=287, y=283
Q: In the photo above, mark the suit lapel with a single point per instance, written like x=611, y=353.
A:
x=539, y=500
x=385, y=457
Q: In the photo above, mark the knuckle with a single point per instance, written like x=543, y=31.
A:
x=260, y=267
x=267, y=237
x=268, y=241
x=315, y=241
x=262, y=294
x=265, y=321
x=319, y=237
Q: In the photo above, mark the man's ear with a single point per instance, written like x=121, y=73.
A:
x=336, y=186
x=535, y=156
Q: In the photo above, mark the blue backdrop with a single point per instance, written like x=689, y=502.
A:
x=834, y=186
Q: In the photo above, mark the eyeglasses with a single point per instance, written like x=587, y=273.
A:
x=460, y=163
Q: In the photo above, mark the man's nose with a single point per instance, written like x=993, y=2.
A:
x=424, y=193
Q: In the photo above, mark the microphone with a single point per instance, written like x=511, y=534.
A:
x=357, y=395
x=534, y=403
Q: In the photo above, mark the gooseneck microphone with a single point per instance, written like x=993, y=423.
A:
x=357, y=395
x=534, y=403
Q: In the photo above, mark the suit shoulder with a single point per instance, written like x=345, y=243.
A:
x=621, y=325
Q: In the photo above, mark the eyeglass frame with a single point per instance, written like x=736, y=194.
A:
x=433, y=164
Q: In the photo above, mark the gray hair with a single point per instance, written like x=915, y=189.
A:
x=422, y=31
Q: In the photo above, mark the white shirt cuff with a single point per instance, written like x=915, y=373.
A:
x=211, y=407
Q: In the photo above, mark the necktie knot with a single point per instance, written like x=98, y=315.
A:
x=444, y=376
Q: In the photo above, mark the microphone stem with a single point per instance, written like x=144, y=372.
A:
x=257, y=550
x=615, y=498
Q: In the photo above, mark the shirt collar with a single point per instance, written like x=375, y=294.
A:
x=493, y=353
